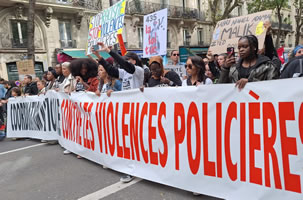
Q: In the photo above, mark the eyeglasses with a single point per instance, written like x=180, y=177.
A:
x=190, y=66
x=176, y=54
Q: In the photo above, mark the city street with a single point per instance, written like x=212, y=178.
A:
x=31, y=170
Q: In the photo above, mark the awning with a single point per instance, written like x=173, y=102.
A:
x=82, y=54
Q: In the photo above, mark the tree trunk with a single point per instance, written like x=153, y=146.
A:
x=298, y=34
x=279, y=29
x=31, y=30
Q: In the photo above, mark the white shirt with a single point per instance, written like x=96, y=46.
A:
x=132, y=81
x=208, y=81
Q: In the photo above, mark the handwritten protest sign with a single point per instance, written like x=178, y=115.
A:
x=105, y=26
x=25, y=67
x=228, y=31
x=155, y=34
x=179, y=69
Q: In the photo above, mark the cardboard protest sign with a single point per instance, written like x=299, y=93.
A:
x=228, y=31
x=105, y=26
x=155, y=34
x=25, y=67
x=179, y=69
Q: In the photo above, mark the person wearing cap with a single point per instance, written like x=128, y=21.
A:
x=159, y=76
x=30, y=86
x=294, y=68
x=131, y=71
x=51, y=78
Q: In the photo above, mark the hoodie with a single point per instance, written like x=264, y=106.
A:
x=264, y=69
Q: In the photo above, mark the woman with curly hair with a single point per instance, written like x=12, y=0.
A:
x=85, y=70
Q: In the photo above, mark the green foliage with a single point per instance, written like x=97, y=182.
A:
x=260, y=5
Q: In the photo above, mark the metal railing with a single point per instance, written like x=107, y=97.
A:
x=287, y=27
x=68, y=43
x=87, y=4
x=19, y=43
x=144, y=8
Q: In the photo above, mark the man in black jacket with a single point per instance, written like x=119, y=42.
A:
x=30, y=87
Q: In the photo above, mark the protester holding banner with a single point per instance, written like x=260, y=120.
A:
x=30, y=86
x=161, y=77
x=131, y=71
x=51, y=78
x=251, y=67
x=58, y=69
x=41, y=87
x=107, y=83
x=85, y=71
x=294, y=68
x=16, y=92
x=195, y=68
x=69, y=83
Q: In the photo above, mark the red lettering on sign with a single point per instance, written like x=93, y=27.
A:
x=231, y=168
x=126, y=149
x=163, y=156
x=143, y=114
x=219, y=138
x=179, y=133
x=134, y=133
x=269, y=114
x=289, y=147
x=209, y=167
x=110, y=116
x=242, y=142
x=254, y=144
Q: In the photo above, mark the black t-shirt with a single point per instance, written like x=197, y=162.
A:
x=244, y=72
x=60, y=78
x=171, y=75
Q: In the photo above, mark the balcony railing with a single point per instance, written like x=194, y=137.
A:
x=285, y=27
x=87, y=4
x=144, y=8
x=68, y=43
x=19, y=43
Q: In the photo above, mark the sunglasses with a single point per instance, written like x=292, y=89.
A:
x=190, y=66
x=176, y=54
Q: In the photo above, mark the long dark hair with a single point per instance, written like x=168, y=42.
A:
x=76, y=66
x=200, y=65
x=253, y=45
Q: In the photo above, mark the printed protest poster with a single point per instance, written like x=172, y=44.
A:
x=179, y=69
x=155, y=34
x=105, y=26
x=228, y=31
x=25, y=67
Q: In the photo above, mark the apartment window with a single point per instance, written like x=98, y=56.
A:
x=184, y=3
x=186, y=37
x=168, y=39
x=124, y=35
x=200, y=36
x=65, y=34
x=140, y=36
x=199, y=5
x=19, y=33
x=112, y=2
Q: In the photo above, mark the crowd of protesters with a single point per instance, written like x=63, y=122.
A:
x=119, y=73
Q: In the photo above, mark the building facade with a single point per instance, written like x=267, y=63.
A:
x=62, y=26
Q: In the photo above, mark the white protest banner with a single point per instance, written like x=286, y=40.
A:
x=105, y=26
x=210, y=139
x=179, y=69
x=155, y=34
x=228, y=31
x=34, y=117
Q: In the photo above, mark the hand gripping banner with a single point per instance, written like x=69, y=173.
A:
x=213, y=139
